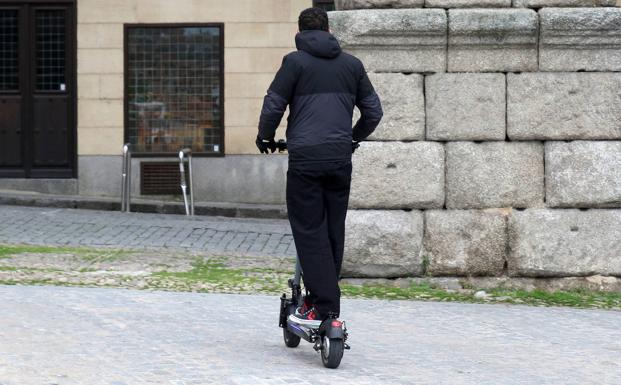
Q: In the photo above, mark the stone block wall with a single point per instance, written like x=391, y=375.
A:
x=500, y=150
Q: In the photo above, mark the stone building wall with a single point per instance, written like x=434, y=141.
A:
x=500, y=150
x=257, y=34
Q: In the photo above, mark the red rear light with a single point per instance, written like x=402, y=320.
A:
x=337, y=324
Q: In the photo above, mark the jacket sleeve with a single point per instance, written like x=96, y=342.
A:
x=370, y=108
x=278, y=96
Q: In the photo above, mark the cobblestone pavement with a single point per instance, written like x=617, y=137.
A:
x=68, y=227
x=54, y=335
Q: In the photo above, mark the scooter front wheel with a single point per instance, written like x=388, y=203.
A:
x=291, y=340
x=331, y=352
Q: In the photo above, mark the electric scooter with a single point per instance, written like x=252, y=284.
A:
x=330, y=338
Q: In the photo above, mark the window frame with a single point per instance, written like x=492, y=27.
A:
x=319, y=3
x=126, y=28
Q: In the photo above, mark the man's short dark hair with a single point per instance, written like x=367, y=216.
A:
x=313, y=19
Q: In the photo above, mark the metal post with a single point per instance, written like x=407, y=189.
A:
x=191, y=182
x=129, y=178
x=189, y=207
x=126, y=178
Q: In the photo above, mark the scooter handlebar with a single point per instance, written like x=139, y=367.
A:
x=281, y=145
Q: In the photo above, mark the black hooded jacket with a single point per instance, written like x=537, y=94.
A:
x=321, y=84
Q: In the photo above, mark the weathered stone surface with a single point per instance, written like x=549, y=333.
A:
x=583, y=174
x=383, y=244
x=394, y=175
x=494, y=174
x=394, y=40
x=467, y=3
x=466, y=106
x=492, y=40
x=403, y=103
x=563, y=3
x=362, y=4
x=562, y=106
x=465, y=242
x=554, y=243
x=580, y=39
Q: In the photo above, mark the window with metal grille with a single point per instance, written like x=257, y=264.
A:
x=9, y=56
x=173, y=88
x=327, y=5
x=50, y=44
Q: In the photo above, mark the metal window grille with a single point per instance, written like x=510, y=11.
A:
x=50, y=48
x=327, y=5
x=160, y=178
x=173, y=89
x=9, y=53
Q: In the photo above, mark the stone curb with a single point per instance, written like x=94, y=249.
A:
x=235, y=210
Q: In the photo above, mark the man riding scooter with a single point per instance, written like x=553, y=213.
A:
x=321, y=85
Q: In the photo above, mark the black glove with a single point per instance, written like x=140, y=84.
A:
x=265, y=144
x=354, y=146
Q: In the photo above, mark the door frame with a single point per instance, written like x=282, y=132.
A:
x=27, y=60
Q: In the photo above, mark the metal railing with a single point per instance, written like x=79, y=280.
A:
x=186, y=153
x=126, y=179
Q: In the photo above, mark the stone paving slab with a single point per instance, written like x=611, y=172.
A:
x=91, y=228
x=65, y=336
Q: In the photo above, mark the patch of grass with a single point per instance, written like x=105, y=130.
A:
x=207, y=271
x=214, y=275
x=41, y=282
x=214, y=271
x=575, y=298
x=28, y=269
x=7, y=251
x=87, y=254
x=420, y=292
x=269, y=281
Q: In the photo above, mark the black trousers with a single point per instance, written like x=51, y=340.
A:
x=317, y=198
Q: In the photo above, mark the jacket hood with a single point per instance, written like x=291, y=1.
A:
x=318, y=43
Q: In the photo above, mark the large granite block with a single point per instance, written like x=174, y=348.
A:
x=562, y=106
x=494, y=174
x=395, y=175
x=556, y=243
x=394, y=40
x=467, y=3
x=466, y=106
x=403, y=103
x=564, y=3
x=362, y=4
x=465, y=242
x=583, y=174
x=383, y=244
x=492, y=40
x=580, y=39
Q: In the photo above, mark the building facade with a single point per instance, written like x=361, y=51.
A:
x=79, y=78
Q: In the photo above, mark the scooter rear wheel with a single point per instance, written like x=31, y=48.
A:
x=331, y=352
